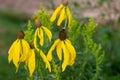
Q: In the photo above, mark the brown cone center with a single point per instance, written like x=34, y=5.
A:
x=65, y=3
x=20, y=34
x=31, y=45
x=62, y=34
x=38, y=23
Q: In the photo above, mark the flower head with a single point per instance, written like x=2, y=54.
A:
x=19, y=50
x=39, y=33
x=64, y=13
x=62, y=44
x=30, y=62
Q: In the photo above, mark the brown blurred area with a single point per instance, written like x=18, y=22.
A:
x=109, y=10
x=28, y=6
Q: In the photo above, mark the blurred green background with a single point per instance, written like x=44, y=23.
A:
x=15, y=13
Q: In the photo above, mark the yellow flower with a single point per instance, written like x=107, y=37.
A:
x=39, y=33
x=30, y=62
x=64, y=13
x=18, y=51
x=63, y=44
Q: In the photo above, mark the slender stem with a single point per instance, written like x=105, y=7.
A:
x=52, y=3
x=56, y=70
x=97, y=70
x=58, y=73
x=38, y=72
x=65, y=25
x=84, y=63
x=29, y=78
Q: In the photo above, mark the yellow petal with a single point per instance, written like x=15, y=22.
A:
x=45, y=60
x=68, y=41
x=55, y=13
x=16, y=54
x=62, y=16
x=35, y=38
x=31, y=62
x=49, y=55
x=59, y=50
x=24, y=52
x=48, y=32
x=40, y=35
x=11, y=51
x=66, y=57
x=69, y=15
x=71, y=51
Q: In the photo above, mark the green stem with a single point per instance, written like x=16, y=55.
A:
x=39, y=74
x=86, y=56
x=97, y=71
x=29, y=78
x=52, y=3
x=84, y=63
x=57, y=71
x=65, y=26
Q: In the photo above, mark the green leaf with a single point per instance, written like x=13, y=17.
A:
x=100, y=58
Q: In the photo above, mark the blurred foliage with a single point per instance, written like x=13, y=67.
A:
x=9, y=25
x=102, y=1
x=8, y=29
x=109, y=38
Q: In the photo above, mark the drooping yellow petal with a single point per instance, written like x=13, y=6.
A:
x=59, y=50
x=48, y=32
x=11, y=51
x=69, y=15
x=16, y=54
x=66, y=57
x=55, y=13
x=40, y=35
x=45, y=60
x=35, y=38
x=71, y=51
x=24, y=52
x=68, y=41
x=49, y=55
x=62, y=16
x=31, y=61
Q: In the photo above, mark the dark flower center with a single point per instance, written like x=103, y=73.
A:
x=31, y=45
x=20, y=34
x=65, y=3
x=38, y=23
x=62, y=34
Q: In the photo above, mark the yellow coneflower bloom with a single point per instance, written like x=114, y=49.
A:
x=18, y=50
x=30, y=62
x=64, y=13
x=39, y=33
x=63, y=44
